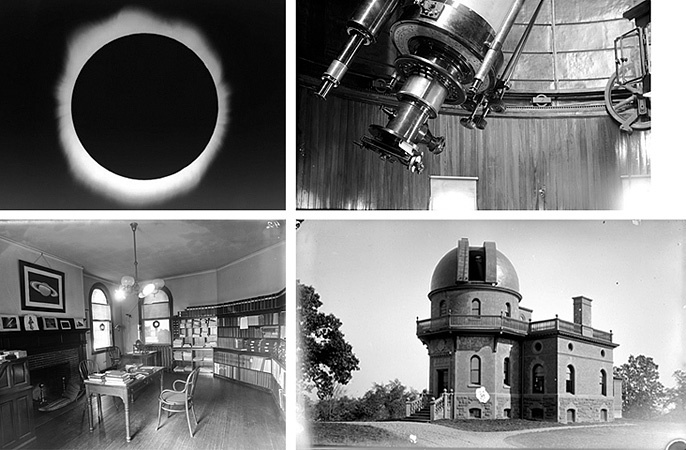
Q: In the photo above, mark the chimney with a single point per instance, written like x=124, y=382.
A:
x=582, y=314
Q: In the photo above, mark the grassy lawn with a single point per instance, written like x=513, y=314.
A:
x=499, y=424
x=347, y=434
x=640, y=435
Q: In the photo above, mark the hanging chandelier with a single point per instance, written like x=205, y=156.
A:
x=130, y=284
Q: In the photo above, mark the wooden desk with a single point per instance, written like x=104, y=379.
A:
x=145, y=358
x=122, y=391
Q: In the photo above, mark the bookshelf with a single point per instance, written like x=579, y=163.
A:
x=194, y=337
x=251, y=343
x=242, y=341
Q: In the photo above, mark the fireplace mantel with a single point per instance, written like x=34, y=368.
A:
x=41, y=341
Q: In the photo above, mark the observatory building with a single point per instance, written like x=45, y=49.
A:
x=480, y=338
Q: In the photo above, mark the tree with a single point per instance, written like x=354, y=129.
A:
x=385, y=401
x=324, y=356
x=381, y=402
x=641, y=390
x=677, y=394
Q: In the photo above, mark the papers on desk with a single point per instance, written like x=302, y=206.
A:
x=97, y=377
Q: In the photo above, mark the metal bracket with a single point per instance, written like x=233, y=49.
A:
x=542, y=100
x=431, y=9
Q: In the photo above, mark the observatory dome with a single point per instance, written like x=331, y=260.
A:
x=445, y=274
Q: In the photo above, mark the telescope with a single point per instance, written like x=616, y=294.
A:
x=449, y=52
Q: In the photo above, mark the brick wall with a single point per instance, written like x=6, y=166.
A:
x=56, y=358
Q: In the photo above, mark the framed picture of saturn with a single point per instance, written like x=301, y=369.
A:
x=42, y=288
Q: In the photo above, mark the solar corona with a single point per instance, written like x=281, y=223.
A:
x=133, y=191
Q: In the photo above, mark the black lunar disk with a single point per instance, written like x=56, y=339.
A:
x=144, y=106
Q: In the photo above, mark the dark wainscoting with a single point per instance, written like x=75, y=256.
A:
x=576, y=156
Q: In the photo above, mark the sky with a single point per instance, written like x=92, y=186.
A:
x=249, y=169
x=375, y=276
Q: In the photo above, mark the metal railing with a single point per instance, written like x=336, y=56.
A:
x=503, y=323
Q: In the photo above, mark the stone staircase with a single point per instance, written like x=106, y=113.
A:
x=422, y=415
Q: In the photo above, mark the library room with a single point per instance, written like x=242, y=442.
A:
x=142, y=334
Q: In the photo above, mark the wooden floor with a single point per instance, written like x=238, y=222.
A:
x=230, y=416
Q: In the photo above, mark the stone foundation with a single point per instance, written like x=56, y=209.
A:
x=464, y=403
x=540, y=408
x=586, y=409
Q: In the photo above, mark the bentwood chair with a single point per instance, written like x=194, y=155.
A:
x=86, y=367
x=177, y=400
x=115, y=356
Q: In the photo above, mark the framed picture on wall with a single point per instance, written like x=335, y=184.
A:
x=9, y=323
x=30, y=322
x=42, y=288
x=80, y=324
x=49, y=323
x=65, y=324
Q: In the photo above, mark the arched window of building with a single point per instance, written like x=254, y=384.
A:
x=475, y=413
x=475, y=370
x=156, y=312
x=506, y=371
x=569, y=385
x=508, y=310
x=443, y=308
x=603, y=382
x=476, y=307
x=538, y=379
x=101, y=318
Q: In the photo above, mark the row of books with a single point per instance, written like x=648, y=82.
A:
x=262, y=379
x=272, y=318
x=263, y=332
x=262, y=302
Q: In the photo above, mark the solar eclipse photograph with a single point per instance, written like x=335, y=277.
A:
x=142, y=104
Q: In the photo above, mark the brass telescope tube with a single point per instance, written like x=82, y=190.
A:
x=363, y=28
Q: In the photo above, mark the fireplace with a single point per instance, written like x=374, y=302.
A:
x=52, y=372
x=53, y=360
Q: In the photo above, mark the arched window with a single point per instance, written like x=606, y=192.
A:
x=603, y=382
x=101, y=318
x=506, y=371
x=508, y=310
x=156, y=312
x=569, y=385
x=476, y=307
x=443, y=308
x=603, y=415
x=475, y=413
x=475, y=370
x=538, y=379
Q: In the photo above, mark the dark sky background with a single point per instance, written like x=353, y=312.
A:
x=248, y=38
